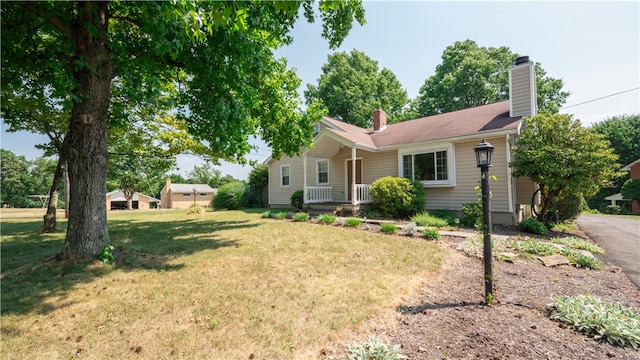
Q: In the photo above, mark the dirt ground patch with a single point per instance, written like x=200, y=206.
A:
x=446, y=318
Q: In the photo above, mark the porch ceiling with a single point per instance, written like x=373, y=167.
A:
x=327, y=147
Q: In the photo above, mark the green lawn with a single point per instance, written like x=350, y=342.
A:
x=219, y=285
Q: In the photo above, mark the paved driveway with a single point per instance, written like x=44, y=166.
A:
x=620, y=238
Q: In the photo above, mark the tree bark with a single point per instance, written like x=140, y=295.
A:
x=87, y=155
x=50, y=224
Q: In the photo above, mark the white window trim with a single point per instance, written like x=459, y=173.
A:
x=318, y=172
x=449, y=148
x=281, y=175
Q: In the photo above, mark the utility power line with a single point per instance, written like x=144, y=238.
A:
x=600, y=98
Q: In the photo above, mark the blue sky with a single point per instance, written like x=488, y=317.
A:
x=593, y=46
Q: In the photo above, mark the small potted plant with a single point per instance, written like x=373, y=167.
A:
x=339, y=210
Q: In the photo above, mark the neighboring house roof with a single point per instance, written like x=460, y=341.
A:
x=628, y=167
x=479, y=120
x=188, y=188
x=118, y=195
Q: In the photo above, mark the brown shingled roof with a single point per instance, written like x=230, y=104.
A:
x=479, y=120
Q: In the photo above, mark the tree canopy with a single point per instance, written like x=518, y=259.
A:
x=566, y=160
x=212, y=63
x=623, y=132
x=352, y=86
x=471, y=75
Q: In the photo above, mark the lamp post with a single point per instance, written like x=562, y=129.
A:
x=194, y=195
x=484, y=151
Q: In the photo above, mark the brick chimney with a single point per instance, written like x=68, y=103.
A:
x=522, y=88
x=379, y=120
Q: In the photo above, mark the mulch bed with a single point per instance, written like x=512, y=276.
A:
x=446, y=318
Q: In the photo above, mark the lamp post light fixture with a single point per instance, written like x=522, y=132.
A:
x=194, y=195
x=484, y=152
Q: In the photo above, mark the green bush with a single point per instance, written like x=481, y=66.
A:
x=431, y=234
x=424, y=219
x=281, y=215
x=569, y=206
x=613, y=322
x=352, y=222
x=229, y=196
x=251, y=198
x=447, y=215
x=297, y=199
x=301, y=217
x=472, y=215
x=374, y=349
x=267, y=214
x=397, y=197
x=612, y=210
x=388, y=228
x=532, y=225
x=327, y=219
x=106, y=255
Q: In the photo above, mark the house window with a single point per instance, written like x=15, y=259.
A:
x=203, y=194
x=323, y=172
x=426, y=167
x=186, y=195
x=285, y=177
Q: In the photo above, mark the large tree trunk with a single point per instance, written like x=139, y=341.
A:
x=50, y=224
x=87, y=137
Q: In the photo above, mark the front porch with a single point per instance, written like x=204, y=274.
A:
x=360, y=194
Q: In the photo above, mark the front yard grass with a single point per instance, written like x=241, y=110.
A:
x=224, y=285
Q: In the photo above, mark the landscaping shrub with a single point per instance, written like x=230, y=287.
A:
x=612, y=210
x=327, y=219
x=612, y=322
x=472, y=215
x=397, y=197
x=588, y=262
x=409, y=228
x=267, y=214
x=297, y=199
x=301, y=217
x=374, y=349
x=424, y=219
x=195, y=209
x=229, y=196
x=535, y=247
x=569, y=206
x=431, y=234
x=251, y=198
x=281, y=215
x=532, y=225
x=352, y=222
x=447, y=215
x=388, y=228
x=578, y=243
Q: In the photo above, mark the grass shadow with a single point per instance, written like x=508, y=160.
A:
x=31, y=274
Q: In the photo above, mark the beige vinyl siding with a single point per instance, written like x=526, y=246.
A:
x=525, y=188
x=521, y=86
x=468, y=177
x=281, y=195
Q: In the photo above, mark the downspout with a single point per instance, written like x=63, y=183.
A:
x=510, y=182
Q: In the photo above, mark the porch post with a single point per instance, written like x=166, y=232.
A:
x=353, y=175
x=304, y=172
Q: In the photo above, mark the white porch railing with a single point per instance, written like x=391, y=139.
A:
x=362, y=194
x=318, y=194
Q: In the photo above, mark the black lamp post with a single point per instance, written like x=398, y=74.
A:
x=484, y=151
x=194, y=195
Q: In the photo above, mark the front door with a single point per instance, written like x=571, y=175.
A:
x=350, y=175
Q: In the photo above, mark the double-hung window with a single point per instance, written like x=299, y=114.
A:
x=322, y=170
x=285, y=177
x=429, y=167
